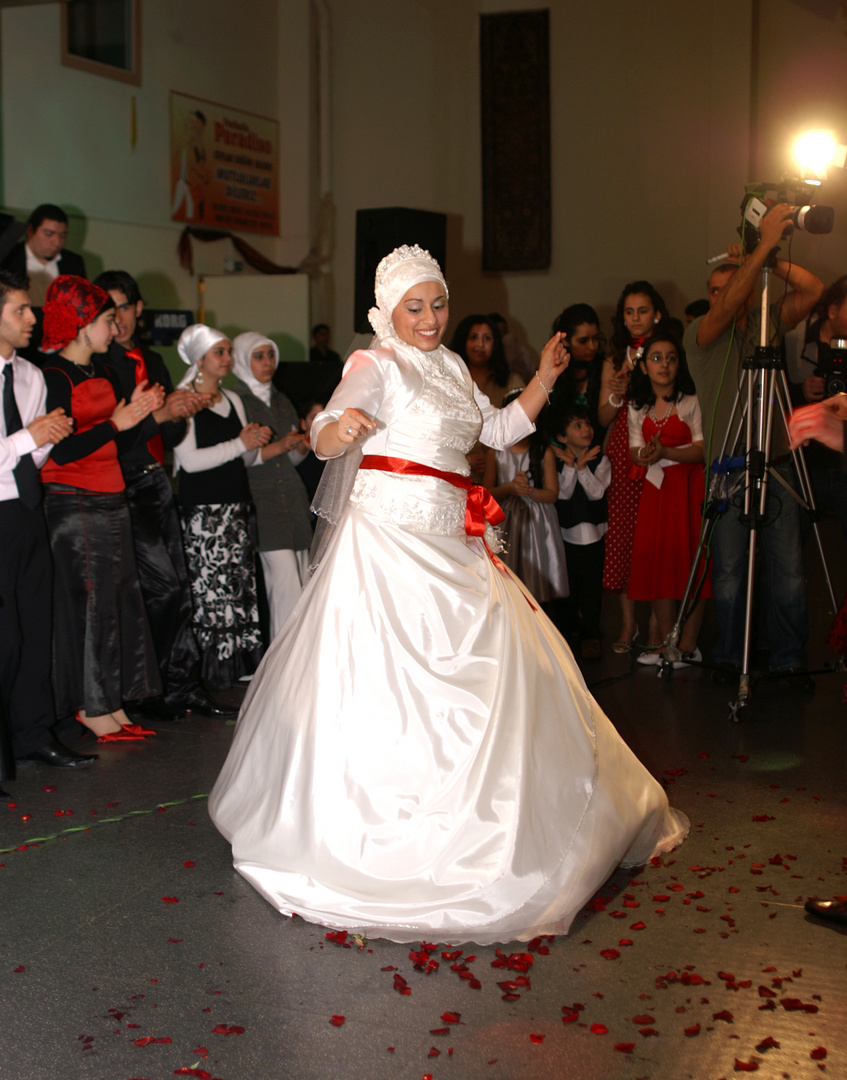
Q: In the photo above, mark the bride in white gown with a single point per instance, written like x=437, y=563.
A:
x=418, y=755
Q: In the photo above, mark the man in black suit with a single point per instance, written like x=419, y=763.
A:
x=27, y=432
x=42, y=257
x=156, y=532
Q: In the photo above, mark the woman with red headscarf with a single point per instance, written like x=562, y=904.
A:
x=102, y=650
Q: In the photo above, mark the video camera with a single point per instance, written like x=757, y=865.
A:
x=799, y=194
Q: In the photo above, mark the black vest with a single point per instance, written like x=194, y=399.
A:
x=579, y=509
x=225, y=483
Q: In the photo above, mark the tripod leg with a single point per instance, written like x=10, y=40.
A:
x=805, y=484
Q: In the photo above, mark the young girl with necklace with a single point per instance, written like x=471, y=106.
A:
x=666, y=442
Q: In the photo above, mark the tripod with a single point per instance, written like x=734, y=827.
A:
x=764, y=384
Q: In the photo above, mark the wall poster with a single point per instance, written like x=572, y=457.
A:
x=224, y=167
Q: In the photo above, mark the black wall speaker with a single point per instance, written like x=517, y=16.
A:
x=379, y=232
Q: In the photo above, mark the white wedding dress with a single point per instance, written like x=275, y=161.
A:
x=418, y=756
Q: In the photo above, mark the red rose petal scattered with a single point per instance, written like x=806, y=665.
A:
x=692, y=1031
x=599, y=1029
x=19, y=969
x=337, y=1020
x=746, y=1066
x=818, y=1054
x=724, y=1014
x=638, y=926
x=174, y=940
x=625, y=941
x=49, y=787
x=170, y=899
x=796, y=1005
x=451, y=1017
x=201, y=1051
x=439, y=1031
x=641, y=1020
x=768, y=1043
x=610, y=954
x=401, y=986
x=148, y=1039
x=201, y=1074
x=433, y=1052
x=536, y=1038
x=625, y=1048
x=222, y=1029
x=188, y=864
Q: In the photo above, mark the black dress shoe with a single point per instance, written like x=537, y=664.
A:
x=154, y=708
x=832, y=910
x=795, y=678
x=61, y=757
x=202, y=705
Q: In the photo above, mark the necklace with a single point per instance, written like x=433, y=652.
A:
x=661, y=423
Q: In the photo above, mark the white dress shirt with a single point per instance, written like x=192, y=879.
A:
x=41, y=275
x=31, y=396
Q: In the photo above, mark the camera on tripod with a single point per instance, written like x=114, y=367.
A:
x=832, y=366
x=806, y=215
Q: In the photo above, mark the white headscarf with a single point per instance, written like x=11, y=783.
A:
x=194, y=342
x=243, y=348
x=396, y=274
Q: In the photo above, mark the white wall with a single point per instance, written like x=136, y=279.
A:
x=650, y=127
x=67, y=133
x=650, y=147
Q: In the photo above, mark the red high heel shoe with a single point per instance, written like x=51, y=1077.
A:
x=111, y=736
x=137, y=729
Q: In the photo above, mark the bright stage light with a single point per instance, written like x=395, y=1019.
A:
x=815, y=151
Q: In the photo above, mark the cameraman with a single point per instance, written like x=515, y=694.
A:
x=828, y=322
x=716, y=344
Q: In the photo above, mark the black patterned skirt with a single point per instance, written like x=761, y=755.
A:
x=103, y=653
x=221, y=565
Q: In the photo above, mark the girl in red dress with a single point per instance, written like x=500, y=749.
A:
x=666, y=441
x=639, y=309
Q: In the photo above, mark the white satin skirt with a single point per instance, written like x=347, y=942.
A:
x=418, y=755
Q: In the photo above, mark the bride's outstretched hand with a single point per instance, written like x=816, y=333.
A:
x=352, y=425
x=554, y=359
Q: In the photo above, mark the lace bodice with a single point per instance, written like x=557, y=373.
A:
x=438, y=428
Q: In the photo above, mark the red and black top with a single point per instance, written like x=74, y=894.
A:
x=87, y=459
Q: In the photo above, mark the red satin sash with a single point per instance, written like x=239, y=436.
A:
x=481, y=506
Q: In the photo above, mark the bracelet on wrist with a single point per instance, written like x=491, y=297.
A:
x=543, y=387
x=615, y=404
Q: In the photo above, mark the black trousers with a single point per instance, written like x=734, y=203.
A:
x=163, y=577
x=585, y=576
x=26, y=633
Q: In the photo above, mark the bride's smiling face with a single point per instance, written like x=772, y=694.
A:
x=420, y=318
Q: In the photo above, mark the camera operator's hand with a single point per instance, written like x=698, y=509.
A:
x=773, y=225
x=814, y=387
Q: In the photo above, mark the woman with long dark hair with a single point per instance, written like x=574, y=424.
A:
x=477, y=340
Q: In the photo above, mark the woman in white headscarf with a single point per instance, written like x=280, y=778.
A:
x=279, y=495
x=214, y=504
x=418, y=755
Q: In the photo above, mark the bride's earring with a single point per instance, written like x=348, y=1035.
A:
x=198, y=378
x=86, y=339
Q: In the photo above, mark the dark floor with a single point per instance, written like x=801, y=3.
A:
x=132, y=950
